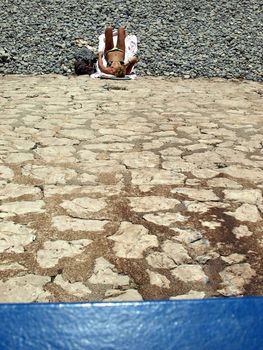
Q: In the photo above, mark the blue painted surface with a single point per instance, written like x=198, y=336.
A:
x=210, y=324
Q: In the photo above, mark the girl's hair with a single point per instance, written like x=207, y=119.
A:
x=120, y=72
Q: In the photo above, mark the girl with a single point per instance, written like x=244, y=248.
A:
x=114, y=55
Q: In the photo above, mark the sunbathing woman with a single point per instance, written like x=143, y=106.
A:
x=115, y=55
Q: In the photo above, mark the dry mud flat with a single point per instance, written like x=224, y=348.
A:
x=150, y=189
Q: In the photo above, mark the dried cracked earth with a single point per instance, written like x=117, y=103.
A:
x=141, y=190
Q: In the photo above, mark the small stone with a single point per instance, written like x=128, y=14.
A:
x=190, y=273
x=244, y=196
x=87, y=155
x=53, y=190
x=88, y=179
x=166, y=219
x=17, y=158
x=9, y=265
x=177, y=164
x=160, y=261
x=128, y=295
x=23, y=289
x=192, y=182
x=109, y=147
x=83, y=206
x=64, y=223
x=176, y=252
x=192, y=294
x=246, y=212
x=6, y=173
x=200, y=207
x=171, y=151
x=13, y=190
x=22, y=208
x=202, y=259
x=200, y=195
x=188, y=236
x=49, y=174
x=158, y=280
x=242, y=231
x=196, y=207
x=58, y=154
x=233, y=258
x=77, y=288
x=223, y=182
x=53, y=251
x=79, y=134
x=204, y=173
x=131, y=240
x=138, y=159
x=234, y=278
x=4, y=56
x=14, y=237
x=99, y=190
x=152, y=203
x=197, y=147
x=156, y=177
x=254, y=175
x=211, y=224
x=207, y=159
x=104, y=273
x=191, y=129
x=154, y=144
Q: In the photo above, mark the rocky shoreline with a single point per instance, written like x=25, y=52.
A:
x=176, y=38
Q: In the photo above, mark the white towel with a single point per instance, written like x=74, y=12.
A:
x=130, y=51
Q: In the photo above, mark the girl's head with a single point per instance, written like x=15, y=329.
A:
x=120, y=72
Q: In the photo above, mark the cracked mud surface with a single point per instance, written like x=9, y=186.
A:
x=141, y=190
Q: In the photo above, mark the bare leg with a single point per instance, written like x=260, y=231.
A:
x=108, y=39
x=121, y=39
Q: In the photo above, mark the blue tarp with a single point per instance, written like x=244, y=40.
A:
x=210, y=324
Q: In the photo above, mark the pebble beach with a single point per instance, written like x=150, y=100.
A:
x=187, y=39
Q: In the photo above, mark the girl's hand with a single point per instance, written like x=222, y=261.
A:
x=133, y=59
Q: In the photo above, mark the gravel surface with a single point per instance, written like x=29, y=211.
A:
x=187, y=38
